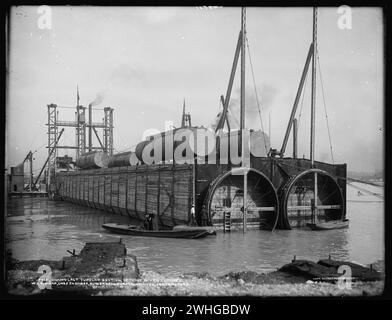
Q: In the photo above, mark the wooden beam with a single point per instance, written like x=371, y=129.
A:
x=262, y=209
x=99, y=140
x=230, y=86
x=330, y=206
x=296, y=101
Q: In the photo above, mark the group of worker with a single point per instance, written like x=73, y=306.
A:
x=204, y=216
x=149, y=218
x=149, y=222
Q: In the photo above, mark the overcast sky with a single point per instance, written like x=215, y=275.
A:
x=145, y=61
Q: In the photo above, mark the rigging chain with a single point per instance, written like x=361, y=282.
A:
x=325, y=109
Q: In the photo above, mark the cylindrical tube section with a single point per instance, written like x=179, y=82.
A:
x=92, y=160
x=123, y=159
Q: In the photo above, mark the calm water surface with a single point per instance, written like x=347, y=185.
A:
x=41, y=229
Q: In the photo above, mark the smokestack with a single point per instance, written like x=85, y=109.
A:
x=295, y=137
x=90, y=129
x=77, y=96
x=98, y=99
x=183, y=115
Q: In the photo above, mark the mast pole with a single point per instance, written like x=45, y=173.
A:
x=296, y=101
x=77, y=115
x=313, y=102
x=226, y=100
x=242, y=115
x=90, y=127
x=269, y=128
x=243, y=39
x=313, y=114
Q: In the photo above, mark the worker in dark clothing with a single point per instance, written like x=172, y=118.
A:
x=204, y=216
x=151, y=222
x=147, y=222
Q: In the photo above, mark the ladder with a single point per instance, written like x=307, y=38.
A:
x=227, y=221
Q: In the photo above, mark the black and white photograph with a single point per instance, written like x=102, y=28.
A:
x=194, y=151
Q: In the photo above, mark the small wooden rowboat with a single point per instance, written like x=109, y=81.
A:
x=188, y=233
x=182, y=227
x=330, y=225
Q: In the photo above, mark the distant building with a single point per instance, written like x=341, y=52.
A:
x=16, y=179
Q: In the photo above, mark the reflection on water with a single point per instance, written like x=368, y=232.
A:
x=41, y=229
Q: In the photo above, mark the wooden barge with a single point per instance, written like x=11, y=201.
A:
x=278, y=192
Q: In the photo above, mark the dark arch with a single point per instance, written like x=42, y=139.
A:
x=296, y=195
x=263, y=205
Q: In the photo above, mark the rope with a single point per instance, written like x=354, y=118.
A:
x=256, y=95
x=121, y=141
x=40, y=147
x=35, y=135
x=302, y=102
x=325, y=109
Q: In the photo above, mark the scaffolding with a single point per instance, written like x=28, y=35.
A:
x=80, y=130
x=80, y=124
x=108, y=131
x=52, y=138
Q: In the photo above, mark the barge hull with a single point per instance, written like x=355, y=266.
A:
x=165, y=190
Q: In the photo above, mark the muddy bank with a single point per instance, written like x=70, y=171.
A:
x=266, y=285
x=97, y=268
x=283, y=282
x=107, y=269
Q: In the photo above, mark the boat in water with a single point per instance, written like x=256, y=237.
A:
x=330, y=225
x=184, y=233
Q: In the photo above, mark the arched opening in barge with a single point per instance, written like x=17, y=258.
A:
x=298, y=194
x=225, y=201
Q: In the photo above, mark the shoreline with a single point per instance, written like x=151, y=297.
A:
x=105, y=269
x=272, y=285
x=204, y=285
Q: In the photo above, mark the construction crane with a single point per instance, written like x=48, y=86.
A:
x=29, y=158
x=47, y=159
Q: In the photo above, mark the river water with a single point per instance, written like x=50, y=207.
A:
x=37, y=228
